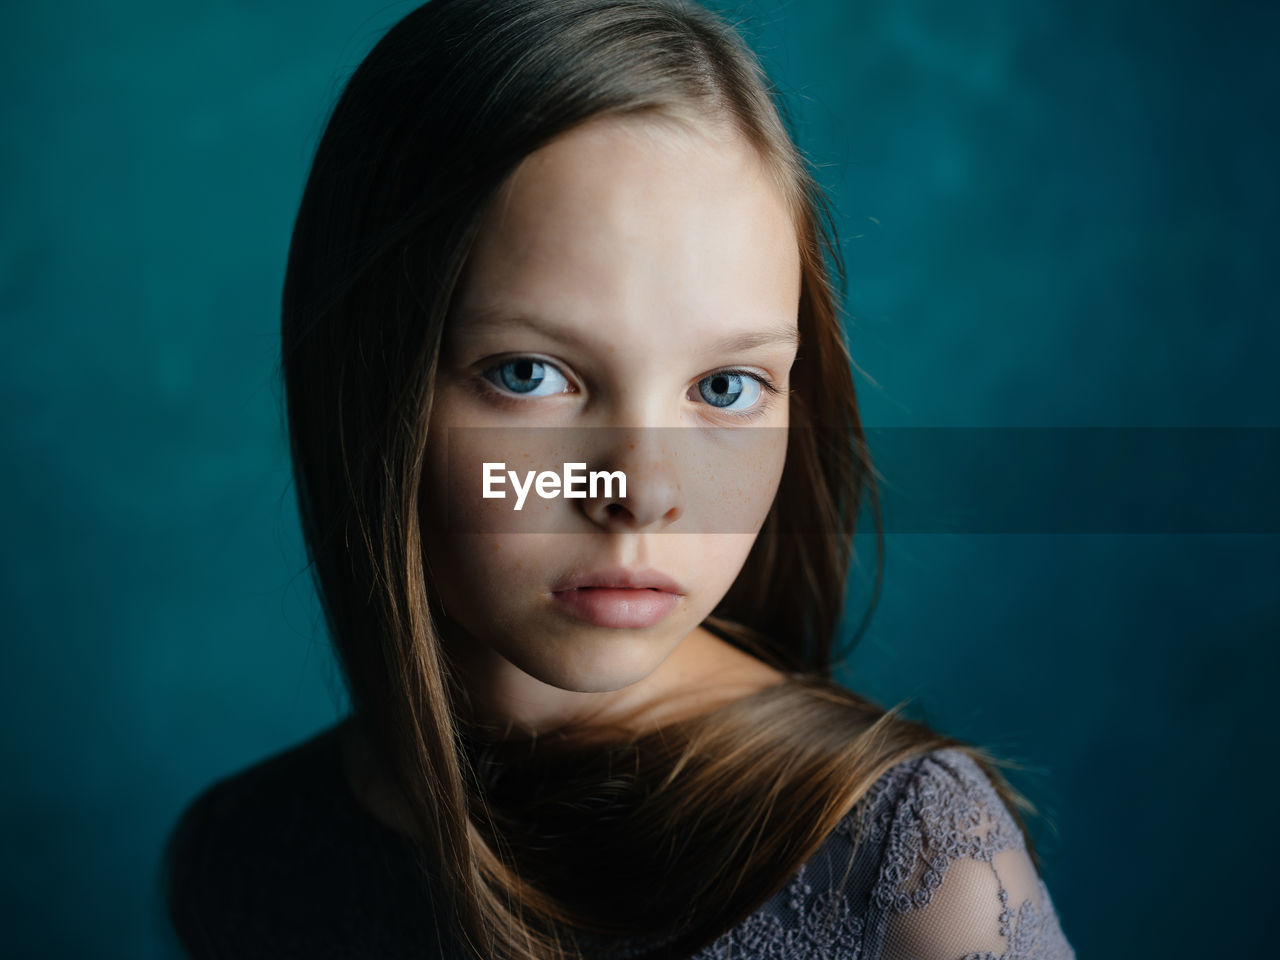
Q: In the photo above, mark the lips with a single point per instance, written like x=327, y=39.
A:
x=619, y=578
x=618, y=598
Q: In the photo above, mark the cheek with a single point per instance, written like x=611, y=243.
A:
x=738, y=510
x=473, y=569
x=735, y=480
x=485, y=573
x=479, y=478
x=718, y=558
x=773, y=460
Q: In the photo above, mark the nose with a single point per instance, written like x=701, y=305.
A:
x=654, y=499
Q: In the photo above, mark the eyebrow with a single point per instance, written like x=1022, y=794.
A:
x=782, y=333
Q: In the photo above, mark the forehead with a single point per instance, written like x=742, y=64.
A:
x=627, y=220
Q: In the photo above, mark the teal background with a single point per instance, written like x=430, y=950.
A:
x=1055, y=214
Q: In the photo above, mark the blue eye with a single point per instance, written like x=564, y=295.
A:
x=730, y=391
x=528, y=377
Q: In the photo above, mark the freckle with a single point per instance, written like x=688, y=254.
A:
x=495, y=547
x=633, y=446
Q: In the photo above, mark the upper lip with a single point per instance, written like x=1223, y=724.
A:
x=619, y=578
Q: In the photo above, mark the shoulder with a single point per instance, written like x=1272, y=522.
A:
x=836, y=905
x=269, y=855
x=252, y=809
x=955, y=877
x=930, y=864
x=943, y=806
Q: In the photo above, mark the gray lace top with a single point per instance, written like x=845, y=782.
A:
x=280, y=861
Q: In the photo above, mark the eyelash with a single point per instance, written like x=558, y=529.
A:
x=486, y=386
x=766, y=385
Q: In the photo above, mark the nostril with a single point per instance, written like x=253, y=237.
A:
x=616, y=510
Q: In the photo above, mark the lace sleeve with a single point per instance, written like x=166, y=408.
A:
x=956, y=882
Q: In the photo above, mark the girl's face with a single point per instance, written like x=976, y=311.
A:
x=630, y=304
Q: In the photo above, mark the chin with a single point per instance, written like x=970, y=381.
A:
x=600, y=665
x=599, y=683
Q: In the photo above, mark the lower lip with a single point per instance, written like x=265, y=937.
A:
x=608, y=607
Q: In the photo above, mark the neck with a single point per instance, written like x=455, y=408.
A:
x=702, y=673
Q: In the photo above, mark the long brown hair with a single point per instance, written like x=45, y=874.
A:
x=426, y=130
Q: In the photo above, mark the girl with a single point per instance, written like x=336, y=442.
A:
x=543, y=234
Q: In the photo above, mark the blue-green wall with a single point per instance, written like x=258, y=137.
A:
x=1055, y=214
